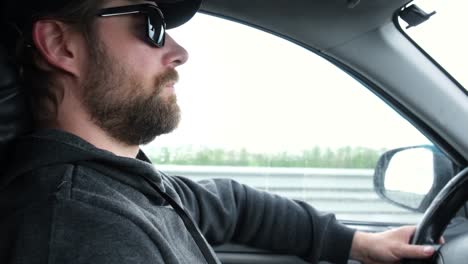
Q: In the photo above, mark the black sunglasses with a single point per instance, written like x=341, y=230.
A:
x=155, y=23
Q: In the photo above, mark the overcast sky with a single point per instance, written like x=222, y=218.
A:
x=243, y=88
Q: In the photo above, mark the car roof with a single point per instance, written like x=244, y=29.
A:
x=321, y=25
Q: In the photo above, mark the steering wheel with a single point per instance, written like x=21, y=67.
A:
x=437, y=217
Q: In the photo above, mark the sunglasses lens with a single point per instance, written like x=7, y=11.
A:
x=155, y=24
x=156, y=29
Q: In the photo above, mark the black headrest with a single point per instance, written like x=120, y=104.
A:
x=15, y=118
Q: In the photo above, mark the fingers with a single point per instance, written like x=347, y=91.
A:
x=410, y=230
x=415, y=251
x=442, y=240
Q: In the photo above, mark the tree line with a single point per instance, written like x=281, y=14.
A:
x=317, y=157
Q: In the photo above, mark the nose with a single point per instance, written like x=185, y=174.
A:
x=175, y=54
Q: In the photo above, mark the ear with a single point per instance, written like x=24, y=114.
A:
x=57, y=44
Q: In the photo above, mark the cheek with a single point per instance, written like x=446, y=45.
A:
x=145, y=55
x=137, y=57
x=143, y=63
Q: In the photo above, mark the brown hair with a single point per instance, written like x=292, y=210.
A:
x=44, y=96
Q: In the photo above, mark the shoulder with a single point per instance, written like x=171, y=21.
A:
x=86, y=233
x=48, y=186
x=69, y=214
x=42, y=215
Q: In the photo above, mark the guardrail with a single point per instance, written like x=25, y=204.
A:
x=348, y=193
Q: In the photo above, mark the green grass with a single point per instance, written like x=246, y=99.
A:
x=345, y=157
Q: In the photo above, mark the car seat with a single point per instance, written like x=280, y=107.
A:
x=15, y=118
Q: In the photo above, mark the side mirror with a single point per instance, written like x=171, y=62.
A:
x=411, y=177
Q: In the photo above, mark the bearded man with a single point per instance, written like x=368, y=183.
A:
x=100, y=76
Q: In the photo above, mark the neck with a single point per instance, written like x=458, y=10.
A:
x=72, y=118
x=100, y=139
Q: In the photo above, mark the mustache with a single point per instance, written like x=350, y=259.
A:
x=167, y=77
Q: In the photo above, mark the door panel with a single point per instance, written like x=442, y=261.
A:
x=235, y=254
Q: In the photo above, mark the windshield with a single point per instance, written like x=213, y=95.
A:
x=442, y=36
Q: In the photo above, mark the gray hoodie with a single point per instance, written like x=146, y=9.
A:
x=62, y=200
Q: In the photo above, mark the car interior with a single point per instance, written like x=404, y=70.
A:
x=14, y=114
x=362, y=38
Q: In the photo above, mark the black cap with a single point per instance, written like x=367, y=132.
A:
x=21, y=12
x=177, y=12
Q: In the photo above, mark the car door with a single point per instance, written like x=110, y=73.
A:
x=273, y=115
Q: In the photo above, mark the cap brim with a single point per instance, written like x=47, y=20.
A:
x=177, y=12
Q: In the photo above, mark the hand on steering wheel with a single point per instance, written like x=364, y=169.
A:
x=438, y=216
x=388, y=247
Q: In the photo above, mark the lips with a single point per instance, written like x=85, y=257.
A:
x=170, y=84
x=169, y=88
x=166, y=81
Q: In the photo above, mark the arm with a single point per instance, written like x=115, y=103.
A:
x=228, y=211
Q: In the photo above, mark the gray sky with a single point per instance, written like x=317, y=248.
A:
x=245, y=88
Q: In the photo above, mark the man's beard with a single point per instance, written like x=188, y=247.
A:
x=120, y=105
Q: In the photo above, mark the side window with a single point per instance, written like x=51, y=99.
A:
x=273, y=115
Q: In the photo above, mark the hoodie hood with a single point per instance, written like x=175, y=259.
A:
x=52, y=147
